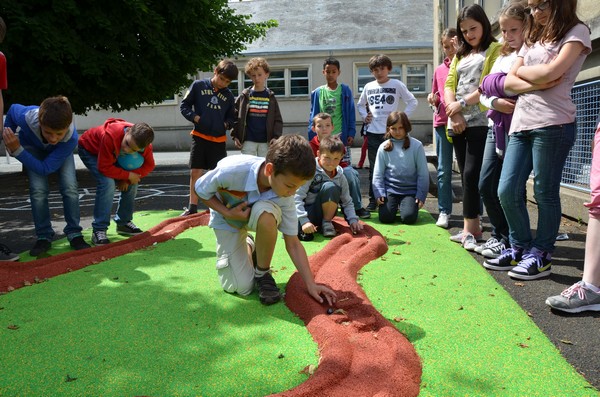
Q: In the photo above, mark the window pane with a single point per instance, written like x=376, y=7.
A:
x=364, y=76
x=416, y=76
x=233, y=86
x=299, y=82
x=247, y=82
x=396, y=73
x=276, y=82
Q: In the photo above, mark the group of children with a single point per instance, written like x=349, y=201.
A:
x=508, y=113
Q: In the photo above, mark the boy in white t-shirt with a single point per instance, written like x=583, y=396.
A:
x=382, y=97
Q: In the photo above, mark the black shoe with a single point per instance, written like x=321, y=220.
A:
x=268, y=292
x=7, y=255
x=363, y=213
x=372, y=206
x=187, y=211
x=41, y=246
x=306, y=236
x=129, y=229
x=78, y=243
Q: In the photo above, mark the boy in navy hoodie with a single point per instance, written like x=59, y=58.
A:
x=45, y=144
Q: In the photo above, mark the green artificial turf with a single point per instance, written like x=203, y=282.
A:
x=156, y=322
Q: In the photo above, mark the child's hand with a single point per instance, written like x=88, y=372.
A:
x=458, y=123
x=319, y=290
x=350, y=140
x=134, y=178
x=10, y=139
x=240, y=212
x=453, y=108
x=381, y=200
x=122, y=185
x=309, y=228
x=433, y=99
x=504, y=105
x=237, y=143
x=356, y=227
x=369, y=118
x=419, y=203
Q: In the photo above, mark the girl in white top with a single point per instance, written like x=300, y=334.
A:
x=542, y=130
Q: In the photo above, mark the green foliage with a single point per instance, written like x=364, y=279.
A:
x=116, y=53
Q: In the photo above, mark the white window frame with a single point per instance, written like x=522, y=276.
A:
x=403, y=76
x=287, y=79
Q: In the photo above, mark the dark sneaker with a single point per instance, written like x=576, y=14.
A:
x=268, y=292
x=327, y=229
x=372, y=206
x=129, y=229
x=536, y=264
x=363, y=213
x=41, y=246
x=187, y=211
x=306, y=236
x=507, y=260
x=577, y=298
x=7, y=255
x=78, y=243
x=494, y=251
x=99, y=237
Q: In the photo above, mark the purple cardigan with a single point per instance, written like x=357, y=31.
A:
x=493, y=85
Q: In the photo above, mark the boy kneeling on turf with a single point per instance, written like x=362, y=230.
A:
x=266, y=187
x=118, y=154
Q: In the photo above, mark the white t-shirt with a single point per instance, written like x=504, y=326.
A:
x=554, y=106
x=384, y=99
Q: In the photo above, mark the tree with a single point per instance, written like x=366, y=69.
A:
x=116, y=53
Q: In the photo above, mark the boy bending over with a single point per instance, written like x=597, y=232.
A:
x=266, y=188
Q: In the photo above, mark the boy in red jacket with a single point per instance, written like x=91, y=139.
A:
x=106, y=150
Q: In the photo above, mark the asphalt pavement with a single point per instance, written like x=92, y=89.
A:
x=576, y=336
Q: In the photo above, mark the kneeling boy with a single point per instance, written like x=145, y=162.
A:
x=105, y=150
x=267, y=186
x=317, y=200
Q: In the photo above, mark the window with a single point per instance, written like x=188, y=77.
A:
x=286, y=82
x=414, y=76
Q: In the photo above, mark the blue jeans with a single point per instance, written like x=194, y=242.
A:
x=409, y=209
x=329, y=192
x=443, y=150
x=489, y=179
x=544, y=151
x=354, y=186
x=105, y=193
x=39, y=191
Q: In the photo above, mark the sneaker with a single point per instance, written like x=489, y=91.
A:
x=507, y=260
x=469, y=242
x=363, y=213
x=577, y=298
x=536, y=264
x=494, y=251
x=129, y=229
x=306, y=236
x=490, y=241
x=99, y=237
x=268, y=292
x=372, y=206
x=327, y=229
x=78, y=243
x=187, y=211
x=457, y=238
x=442, y=220
x=41, y=246
x=7, y=255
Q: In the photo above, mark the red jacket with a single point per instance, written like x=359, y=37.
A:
x=105, y=142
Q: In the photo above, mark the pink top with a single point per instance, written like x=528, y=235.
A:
x=554, y=106
x=3, y=78
x=437, y=87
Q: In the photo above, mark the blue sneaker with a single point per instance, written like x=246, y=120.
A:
x=508, y=259
x=536, y=264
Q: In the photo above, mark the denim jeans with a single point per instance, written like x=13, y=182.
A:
x=39, y=191
x=373, y=142
x=443, y=150
x=105, y=193
x=354, y=186
x=329, y=192
x=544, y=151
x=489, y=179
x=409, y=209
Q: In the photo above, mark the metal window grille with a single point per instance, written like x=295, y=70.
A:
x=576, y=174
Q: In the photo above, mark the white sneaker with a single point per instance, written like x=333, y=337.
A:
x=442, y=220
x=457, y=238
x=469, y=242
x=494, y=251
x=491, y=241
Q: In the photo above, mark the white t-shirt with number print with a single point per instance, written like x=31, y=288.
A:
x=384, y=99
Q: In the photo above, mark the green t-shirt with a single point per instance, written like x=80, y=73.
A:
x=330, y=101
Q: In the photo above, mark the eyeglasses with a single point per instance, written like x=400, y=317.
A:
x=540, y=7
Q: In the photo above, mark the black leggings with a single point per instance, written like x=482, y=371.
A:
x=469, y=147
